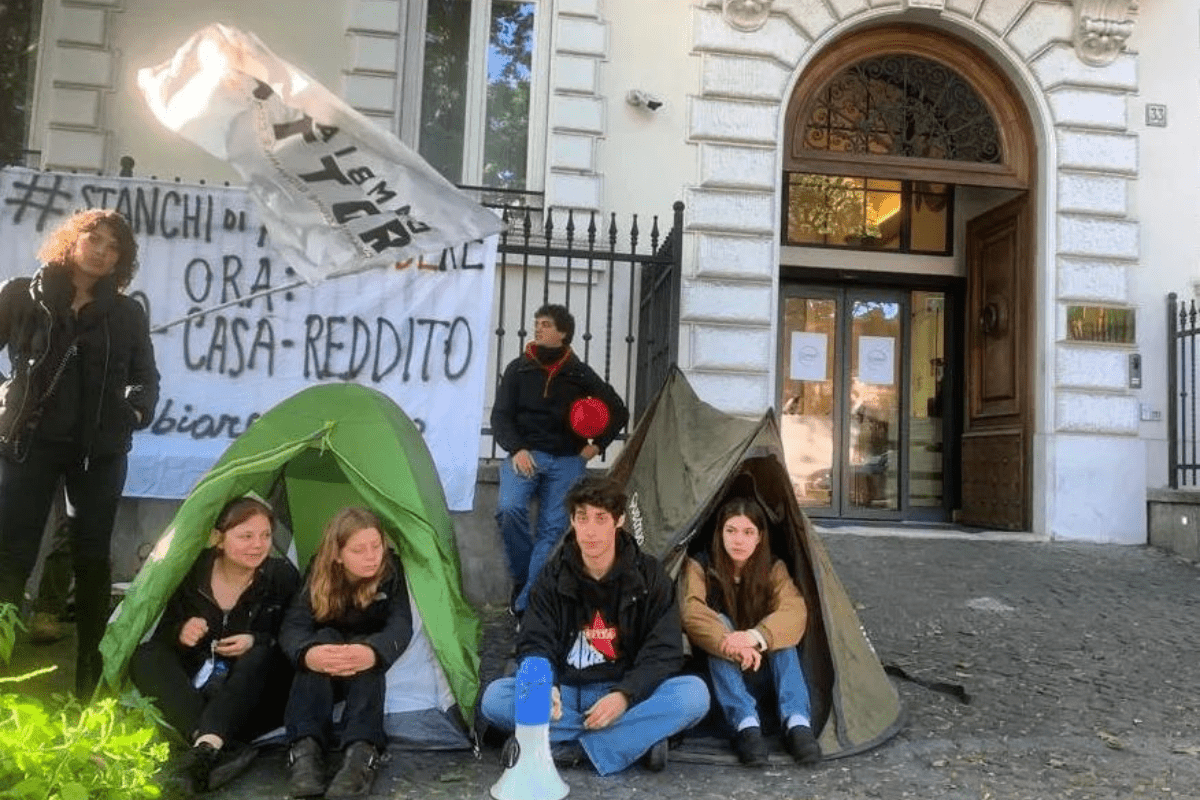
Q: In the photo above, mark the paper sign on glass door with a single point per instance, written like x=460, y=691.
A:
x=809, y=351
x=877, y=360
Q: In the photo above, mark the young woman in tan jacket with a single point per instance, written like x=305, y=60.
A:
x=743, y=610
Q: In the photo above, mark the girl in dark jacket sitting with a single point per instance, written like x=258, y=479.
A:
x=213, y=664
x=349, y=624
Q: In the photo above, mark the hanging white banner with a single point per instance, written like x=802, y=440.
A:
x=417, y=330
x=337, y=192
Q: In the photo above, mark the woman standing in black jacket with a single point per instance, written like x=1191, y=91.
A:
x=83, y=379
x=213, y=664
x=349, y=624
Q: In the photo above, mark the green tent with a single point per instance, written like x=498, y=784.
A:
x=327, y=447
x=680, y=464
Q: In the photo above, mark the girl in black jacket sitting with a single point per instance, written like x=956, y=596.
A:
x=349, y=624
x=213, y=664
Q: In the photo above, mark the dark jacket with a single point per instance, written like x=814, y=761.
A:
x=258, y=611
x=385, y=625
x=532, y=406
x=649, y=636
x=116, y=367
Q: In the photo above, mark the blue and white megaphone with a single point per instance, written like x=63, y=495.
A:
x=529, y=772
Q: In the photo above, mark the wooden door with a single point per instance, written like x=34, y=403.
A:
x=998, y=424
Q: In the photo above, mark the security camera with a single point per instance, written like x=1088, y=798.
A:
x=639, y=98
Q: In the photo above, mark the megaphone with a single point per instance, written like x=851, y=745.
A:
x=529, y=772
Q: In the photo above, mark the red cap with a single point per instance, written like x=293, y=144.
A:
x=589, y=417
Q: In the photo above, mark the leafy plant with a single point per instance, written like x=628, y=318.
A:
x=61, y=750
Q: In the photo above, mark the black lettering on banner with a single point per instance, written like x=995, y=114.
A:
x=390, y=234
x=353, y=209
x=453, y=374
x=197, y=268
x=170, y=196
x=431, y=326
x=378, y=374
x=332, y=343
x=231, y=267
x=202, y=426
x=262, y=282
x=97, y=200
x=314, y=325
x=228, y=348
x=330, y=172
x=383, y=193
x=234, y=220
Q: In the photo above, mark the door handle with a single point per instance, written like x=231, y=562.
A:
x=993, y=318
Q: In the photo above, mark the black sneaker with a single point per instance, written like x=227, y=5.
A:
x=750, y=747
x=801, y=743
x=656, y=757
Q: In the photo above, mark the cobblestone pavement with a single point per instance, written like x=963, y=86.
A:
x=1080, y=662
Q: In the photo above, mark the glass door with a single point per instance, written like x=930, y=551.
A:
x=863, y=396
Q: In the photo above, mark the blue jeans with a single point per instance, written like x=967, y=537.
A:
x=553, y=477
x=677, y=704
x=738, y=692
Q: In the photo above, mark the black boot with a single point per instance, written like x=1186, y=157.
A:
x=235, y=758
x=357, y=773
x=750, y=747
x=306, y=765
x=803, y=746
x=191, y=771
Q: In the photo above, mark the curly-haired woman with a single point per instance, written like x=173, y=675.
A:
x=83, y=379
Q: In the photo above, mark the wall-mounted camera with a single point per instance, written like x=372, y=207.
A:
x=641, y=99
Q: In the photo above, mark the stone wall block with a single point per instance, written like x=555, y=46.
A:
x=82, y=25
x=778, y=38
x=370, y=92
x=999, y=15
x=1090, y=108
x=732, y=347
x=579, y=8
x=965, y=7
x=848, y=8
x=68, y=150
x=1060, y=65
x=1096, y=236
x=576, y=191
x=1041, y=24
x=582, y=36
x=1094, y=194
x=1092, y=280
x=584, y=114
x=1092, y=150
x=374, y=53
x=741, y=257
x=747, y=78
x=734, y=121
x=1092, y=367
x=576, y=74
x=734, y=393
x=572, y=152
x=726, y=302
x=375, y=15
x=730, y=211
x=1095, y=412
x=79, y=107
x=738, y=167
x=811, y=16
x=83, y=67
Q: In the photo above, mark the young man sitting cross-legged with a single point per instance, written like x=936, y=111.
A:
x=604, y=615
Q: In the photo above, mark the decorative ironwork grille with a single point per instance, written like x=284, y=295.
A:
x=1183, y=443
x=903, y=105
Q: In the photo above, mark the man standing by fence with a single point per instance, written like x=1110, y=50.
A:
x=532, y=421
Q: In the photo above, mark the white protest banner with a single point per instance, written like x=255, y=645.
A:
x=417, y=331
x=336, y=192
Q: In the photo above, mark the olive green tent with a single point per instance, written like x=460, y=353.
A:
x=327, y=447
x=682, y=461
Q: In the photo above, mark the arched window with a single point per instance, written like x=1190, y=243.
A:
x=908, y=103
x=902, y=105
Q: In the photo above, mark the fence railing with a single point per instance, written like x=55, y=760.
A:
x=1183, y=438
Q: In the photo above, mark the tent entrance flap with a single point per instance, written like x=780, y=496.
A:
x=317, y=489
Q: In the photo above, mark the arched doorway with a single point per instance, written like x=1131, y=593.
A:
x=906, y=303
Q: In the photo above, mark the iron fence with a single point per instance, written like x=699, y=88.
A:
x=1183, y=439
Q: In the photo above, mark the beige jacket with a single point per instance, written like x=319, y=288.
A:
x=783, y=627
